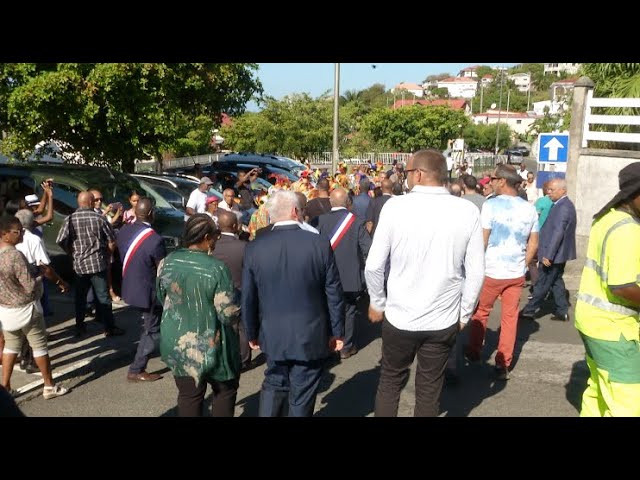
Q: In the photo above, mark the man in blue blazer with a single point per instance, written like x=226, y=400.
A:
x=350, y=242
x=557, y=245
x=291, y=308
x=141, y=250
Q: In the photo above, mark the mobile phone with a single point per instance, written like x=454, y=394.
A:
x=116, y=206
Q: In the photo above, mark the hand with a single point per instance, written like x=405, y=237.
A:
x=546, y=262
x=254, y=344
x=63, y=286
x=336, y=344
x=46, y=186
x=374, y=315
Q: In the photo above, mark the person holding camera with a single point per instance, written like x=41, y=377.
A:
x=243, y=186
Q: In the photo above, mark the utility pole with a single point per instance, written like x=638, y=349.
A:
x=336, y=104
x=499, y=111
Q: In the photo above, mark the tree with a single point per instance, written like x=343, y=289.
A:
x=119, y=112
x=412, y=128
x=483, y=137
x=435, y=78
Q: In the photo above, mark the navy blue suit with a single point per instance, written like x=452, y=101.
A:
x=558, y=244
x=292, y=304
x=351, y=255
x=139, y=286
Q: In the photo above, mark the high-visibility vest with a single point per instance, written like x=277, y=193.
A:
x=613, y=259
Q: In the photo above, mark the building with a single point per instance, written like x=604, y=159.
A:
x=469, y=72
x=412, y=88
x=561, y=89
x=459, y=86
x=558, y=68
x=522, y=81
x=518, y=122
x=486, y=80
x=552, y=106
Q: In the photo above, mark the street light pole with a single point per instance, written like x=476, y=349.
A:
x=336, y=98
x=499, y=110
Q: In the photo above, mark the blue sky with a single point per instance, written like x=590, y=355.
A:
x=280, y=79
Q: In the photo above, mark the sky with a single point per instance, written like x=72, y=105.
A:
x=280, y=79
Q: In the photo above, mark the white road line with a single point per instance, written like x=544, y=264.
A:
x=57, y=374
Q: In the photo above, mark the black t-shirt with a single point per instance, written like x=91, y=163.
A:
x=373, y=212
x=317, y=207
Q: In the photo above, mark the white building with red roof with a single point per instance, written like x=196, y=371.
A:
x=459, y=86
x=518, y=122
x=469, y=72
x=412, y=88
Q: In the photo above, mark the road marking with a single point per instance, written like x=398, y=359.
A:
x=30, y=386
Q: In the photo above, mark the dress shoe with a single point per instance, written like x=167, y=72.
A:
x=525, y=316
x=502, y=373
x=348, y=352
x=114, y=332
x=143, y=377
x=561, y=318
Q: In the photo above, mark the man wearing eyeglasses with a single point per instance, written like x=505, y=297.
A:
x=435, y=276
x=510, y=229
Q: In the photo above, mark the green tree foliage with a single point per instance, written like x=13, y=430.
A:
x=412, y=128
x=435, y=78
x=119, y=112
x=483, y=70
x=483, y=137
x=295, y=125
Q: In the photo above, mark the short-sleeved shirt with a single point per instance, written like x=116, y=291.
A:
x=543, y=207
x=613, y=260
x=197, y=201
x=33, y=249
x=511, y=221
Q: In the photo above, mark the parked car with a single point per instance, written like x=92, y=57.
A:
x=266, y=171
x=517, y=150
x=263, y=160
x=19, y=180
x=175, y=189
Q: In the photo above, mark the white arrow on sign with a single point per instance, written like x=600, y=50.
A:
x=553, y=145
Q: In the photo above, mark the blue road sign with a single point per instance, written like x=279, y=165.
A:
x=553, y=147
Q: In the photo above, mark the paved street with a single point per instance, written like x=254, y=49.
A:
x=547, y=380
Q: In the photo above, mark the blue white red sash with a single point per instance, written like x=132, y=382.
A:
x=342, y=229
x=141, y=237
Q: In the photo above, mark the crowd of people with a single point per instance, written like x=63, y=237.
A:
x=292, y=271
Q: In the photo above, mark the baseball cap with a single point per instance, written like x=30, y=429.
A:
x=212, y=199
x=206, y=181
x=484, y=181
x=32, y=200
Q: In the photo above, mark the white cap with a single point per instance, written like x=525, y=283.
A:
x=32, y=200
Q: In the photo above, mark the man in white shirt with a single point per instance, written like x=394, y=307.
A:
x=436, y=272
x=523, y=172
x=531, y=188
x=228, y=201
x=510, y=229
x=198, y=198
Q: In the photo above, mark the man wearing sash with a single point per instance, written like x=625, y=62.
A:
x=141, y=250
x=350, y=242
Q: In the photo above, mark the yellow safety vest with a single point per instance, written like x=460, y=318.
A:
x=613, y=259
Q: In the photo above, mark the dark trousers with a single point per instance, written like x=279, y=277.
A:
x=44, y=300
x=149, y=338
x=351, y=315
x=245, y=349
x=399, y=348
x=103, y=299
x=549, y=278
x=292, y=382
x=191, y=397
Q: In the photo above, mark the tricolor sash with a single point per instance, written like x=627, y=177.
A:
x=140, y=238
x=341, y=230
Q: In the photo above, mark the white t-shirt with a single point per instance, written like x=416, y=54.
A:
x=196, y=201
x=523, y=173
x=511, y=221
x=532, y=192
x=33, y=248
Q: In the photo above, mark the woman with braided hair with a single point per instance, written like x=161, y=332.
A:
x=198, y=341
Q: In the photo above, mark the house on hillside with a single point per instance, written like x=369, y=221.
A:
x=459, y=86
x=486, y=80
x=522, y=81
x=469, y=72
x=412, y=88
x=558, y=68
x=518, y=122
x=561, y=89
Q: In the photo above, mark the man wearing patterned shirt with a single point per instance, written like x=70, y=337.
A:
x=88, y=238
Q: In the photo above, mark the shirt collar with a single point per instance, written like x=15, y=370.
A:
x=333, y=209
x=556, y=202
x=229, y=234
x=286, y=222
x=431, y=190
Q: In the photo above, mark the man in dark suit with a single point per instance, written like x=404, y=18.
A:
x=141, y=250
x=291, y=308
x=375, y=207
x=230, y=251
x=557, y=246
x=350, y=242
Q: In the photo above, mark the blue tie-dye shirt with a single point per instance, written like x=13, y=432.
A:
x=511, y=221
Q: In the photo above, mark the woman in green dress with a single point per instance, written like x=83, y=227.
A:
x=198, y=341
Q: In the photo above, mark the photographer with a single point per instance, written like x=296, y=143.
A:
x=243, y=186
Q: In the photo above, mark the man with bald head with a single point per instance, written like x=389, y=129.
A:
x=230, y=251
x=435, y=277
x=89, y=239
x=141, y=250
x=350, y=242
x=375, y=207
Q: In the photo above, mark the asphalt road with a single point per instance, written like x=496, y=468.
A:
x=548, y=377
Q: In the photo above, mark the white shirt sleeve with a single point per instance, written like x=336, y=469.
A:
x=40, y=253
x=377, y=260
x=193, y=200
x=474, y=272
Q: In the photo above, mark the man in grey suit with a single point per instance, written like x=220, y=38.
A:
x=230, y=251
x=557, y=246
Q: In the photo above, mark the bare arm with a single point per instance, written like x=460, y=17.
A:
x=532, y=248
x=630, y=292
x=486, y=233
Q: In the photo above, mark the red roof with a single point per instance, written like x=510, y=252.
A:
x=455, y=104
x=458, y=80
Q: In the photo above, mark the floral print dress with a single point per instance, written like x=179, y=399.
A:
x=197, y=335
